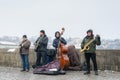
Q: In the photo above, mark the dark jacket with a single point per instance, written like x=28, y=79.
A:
x=56, y=42
x=92, y=46
x=42, y=44
x=24, y=47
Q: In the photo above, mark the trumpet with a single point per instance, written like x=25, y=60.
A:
x=87, y=46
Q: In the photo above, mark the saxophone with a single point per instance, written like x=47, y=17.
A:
x=87, y=46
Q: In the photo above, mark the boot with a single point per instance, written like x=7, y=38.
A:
x=96, y=72
x=22, y=70
x=86, y=73
x=27, y=70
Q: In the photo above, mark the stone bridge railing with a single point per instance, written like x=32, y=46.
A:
x=106, y=59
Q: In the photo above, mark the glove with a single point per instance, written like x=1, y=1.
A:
x=82, y=46
x=97, y=37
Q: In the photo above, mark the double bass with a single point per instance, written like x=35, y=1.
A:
x=62, y=54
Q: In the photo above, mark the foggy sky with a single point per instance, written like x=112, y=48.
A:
x=18, y=17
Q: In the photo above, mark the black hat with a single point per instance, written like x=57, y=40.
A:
x=24, y=36
x=90, y=30
x=42, y=31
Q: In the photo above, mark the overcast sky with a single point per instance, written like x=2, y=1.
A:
x=18, y=17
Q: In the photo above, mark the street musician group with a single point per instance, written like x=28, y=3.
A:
x=63, y=57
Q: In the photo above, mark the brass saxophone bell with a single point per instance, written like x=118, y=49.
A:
x=87, y=48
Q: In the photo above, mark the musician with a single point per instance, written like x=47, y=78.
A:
x=24, y=53
x=56, y=44
x=41, y=44
x=90, y=54
x=57, y=39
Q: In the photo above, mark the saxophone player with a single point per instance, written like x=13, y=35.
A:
x=90, y=53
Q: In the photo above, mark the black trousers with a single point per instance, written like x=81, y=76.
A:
x=41, y=58
x=92, y=56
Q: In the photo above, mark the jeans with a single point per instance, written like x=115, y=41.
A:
x=93, y=57
x=25, y=61
x=41, y=58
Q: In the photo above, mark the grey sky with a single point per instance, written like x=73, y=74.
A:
x=18, y=17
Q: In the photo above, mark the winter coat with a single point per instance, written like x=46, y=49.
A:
x=42, y=44
x=56, y=42
x=92, y=46
x=24, y=47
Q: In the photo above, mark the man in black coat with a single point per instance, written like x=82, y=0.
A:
x=41, y=48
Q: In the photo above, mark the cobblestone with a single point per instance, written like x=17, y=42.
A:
x=15, y=74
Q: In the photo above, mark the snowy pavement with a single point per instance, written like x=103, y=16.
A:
x=15, y=74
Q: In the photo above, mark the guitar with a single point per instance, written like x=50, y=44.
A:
x=37, y=44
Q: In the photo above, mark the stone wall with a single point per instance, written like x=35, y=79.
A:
x=13, y=59
x=106, y=59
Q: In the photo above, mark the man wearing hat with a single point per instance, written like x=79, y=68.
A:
x=41, y=48
x=24, y=53
x=90, y=54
